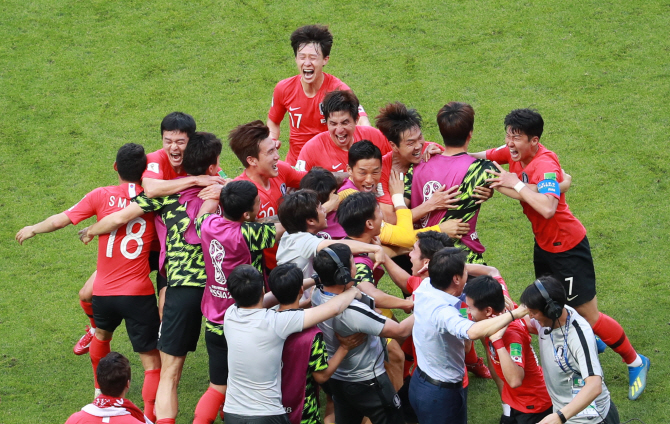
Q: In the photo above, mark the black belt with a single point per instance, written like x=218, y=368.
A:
x=439, y=383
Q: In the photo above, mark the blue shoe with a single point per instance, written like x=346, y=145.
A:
x=637, y=378
x=601, y=345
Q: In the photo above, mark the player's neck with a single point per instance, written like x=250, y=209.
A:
x=258, y=178
x=400, y=164
x=294, y=305
x=310, y=89
x=122, y=181
x=334, y=289
x=453, y=151
x=363, y=238
x=560, y=322
x=259, y=305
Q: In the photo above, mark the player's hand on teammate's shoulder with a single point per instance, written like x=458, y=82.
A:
x=352, y=341
x=396, y=183
x=445, y=199
x=455, y=228
x=84, y=237
x=431, y=150
x=212, y=192
x=25, y=233
x=482, y=193
x=208, y=180
x=502, y=178
x=332, y=204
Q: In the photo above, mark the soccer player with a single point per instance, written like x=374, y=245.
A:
x=302, y=95
x=228, y=241
x=436, y=390
x=561, y=246
x=305, y=361
x=111, y=406
x=512, y=356
x=254, y=147
x=122, y=289
x=182, y=317
x=360, y=386
x=256, y=338
x=329, y=149
x=324, y=183
x=569, y=357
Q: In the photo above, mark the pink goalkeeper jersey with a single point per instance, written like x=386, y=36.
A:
x=224, y=248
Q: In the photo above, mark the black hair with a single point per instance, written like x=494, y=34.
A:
x=202, y=151
x=317, y=34
x=527, y=121
x=455, y=121
x=363, y=149
x=322, y=181
x=340, y=101
x=131, y=161
x=533, y=299
x=395, y=119
x=285, y=282
x=178, y=121
x=326, y=267
x=296, y=209
x=354, y=211
x=113, y=374
x=245, y=140
x=485, y=291
x=446, y=263
x=246, y=285
x=430, y=242
x=238, y=197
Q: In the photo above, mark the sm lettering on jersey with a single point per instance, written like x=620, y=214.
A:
x=121, y=203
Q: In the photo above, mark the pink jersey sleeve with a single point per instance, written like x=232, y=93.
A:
x=277, y=108
x=500, y=154
x=85, y=208
x=290, y=176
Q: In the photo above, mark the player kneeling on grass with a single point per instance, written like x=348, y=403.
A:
x=569, y=357
x=511, y=354
x=305, y=361
x=122, y=289
x=256, y=338
x=111, y=406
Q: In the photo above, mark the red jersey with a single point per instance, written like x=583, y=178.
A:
x=123, y=255
x=532, y=395
x=304, y=112
x=321, y=151
x=387, y=165
x=561, y=232
x=270, y=199
x=83, y=417
x=159, y=167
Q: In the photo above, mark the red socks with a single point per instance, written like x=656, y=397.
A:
x=613, y=335
x=149, y=388
x=88, y=310
x=98, y=350
x=165, y=421
x=208, y=407
x=471, y=356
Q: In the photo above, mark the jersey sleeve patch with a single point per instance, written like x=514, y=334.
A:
x=516, y=352
x=549, y=186
x=153, y=167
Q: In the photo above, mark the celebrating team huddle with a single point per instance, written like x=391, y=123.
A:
x=284, y=263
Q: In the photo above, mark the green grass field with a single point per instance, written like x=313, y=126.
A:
x=80, y=79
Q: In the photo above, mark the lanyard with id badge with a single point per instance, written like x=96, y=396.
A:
x=576, y=382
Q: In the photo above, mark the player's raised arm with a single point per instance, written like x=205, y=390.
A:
x=478, y=155
x=160, y=188
x=111, y=222
x=333, y=307
x=53, y=223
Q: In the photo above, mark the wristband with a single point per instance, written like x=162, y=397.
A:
x=518, y=186
x=510, y=312
x=498, y=344
x=398, y=200
x=561, y=416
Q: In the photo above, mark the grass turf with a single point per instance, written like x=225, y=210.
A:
x=78, y=80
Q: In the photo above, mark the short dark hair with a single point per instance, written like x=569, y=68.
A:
x=527, y=121
x=533, y=299
x=354, y=211
x=340, y=101
x=285, y=282
x=246, y=285
x=245, y=139
x=317, y=34
x=430, y=242
x=326, y=267
x=446, y=263
x=296, y=209
x=238, y=197
x=113, y=374
x=394, y=119
x=131, y=161
x=485, y=291
x=322, y=181
x=455, y=121
x=178, y=121
x=201, y=152
x=363, y=149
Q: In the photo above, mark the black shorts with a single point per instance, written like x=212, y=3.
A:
x=217, y=350
x=182, y=319
x=518, y=417
x=161, y=280
x=375, y=399
x=139, y=312
x=574, y=268
x=244, y=419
